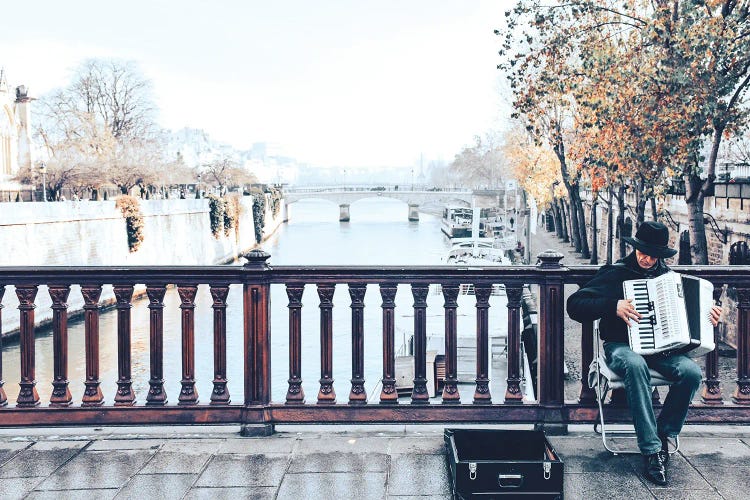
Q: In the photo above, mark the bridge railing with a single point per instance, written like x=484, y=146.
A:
x=253, y=406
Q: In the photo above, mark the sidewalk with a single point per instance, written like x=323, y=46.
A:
x=330, y=462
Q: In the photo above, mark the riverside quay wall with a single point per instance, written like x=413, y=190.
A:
x=93, y=233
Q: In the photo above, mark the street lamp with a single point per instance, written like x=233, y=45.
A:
x=198, y=188
x=43, y=170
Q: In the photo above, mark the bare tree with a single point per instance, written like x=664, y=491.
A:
x=102, y=127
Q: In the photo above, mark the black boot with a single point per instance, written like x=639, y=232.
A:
x=654, y=469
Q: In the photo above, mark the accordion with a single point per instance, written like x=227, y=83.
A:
x=674, y=311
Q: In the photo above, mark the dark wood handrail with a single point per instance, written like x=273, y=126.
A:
x=256, y=406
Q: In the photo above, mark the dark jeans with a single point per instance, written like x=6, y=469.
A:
x=634, y=369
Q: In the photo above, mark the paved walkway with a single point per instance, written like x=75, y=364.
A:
x=330, y=462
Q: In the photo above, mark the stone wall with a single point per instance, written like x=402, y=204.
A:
x=92, y=233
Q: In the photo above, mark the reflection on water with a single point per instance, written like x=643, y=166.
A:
x=378, y=234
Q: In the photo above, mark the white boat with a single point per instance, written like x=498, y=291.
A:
x=477, y=251
x=457, y=222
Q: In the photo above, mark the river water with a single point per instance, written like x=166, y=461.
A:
x=379, y=234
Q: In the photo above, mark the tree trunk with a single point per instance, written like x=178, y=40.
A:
x=695, y=198
x=579, y=222
x=575, y=234
x=594, y=237
x=566, y=221
x=654, y=214
x=621, y=219
x=557, y=217
x=610, y=235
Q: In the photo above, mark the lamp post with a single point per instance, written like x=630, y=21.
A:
x=198, y=188
x=43, y=170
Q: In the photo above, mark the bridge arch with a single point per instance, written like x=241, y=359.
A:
x=344, y=197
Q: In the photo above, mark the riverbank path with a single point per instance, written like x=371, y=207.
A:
x=330, y=462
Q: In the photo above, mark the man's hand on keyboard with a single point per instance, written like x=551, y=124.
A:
x=626, y=311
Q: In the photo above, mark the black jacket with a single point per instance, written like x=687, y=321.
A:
x=598, y=298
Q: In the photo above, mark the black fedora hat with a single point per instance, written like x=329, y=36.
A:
x=652, y=239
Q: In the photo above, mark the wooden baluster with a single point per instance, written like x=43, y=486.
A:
x=60, y=391
x=125, y=395
x=295, y=394
x=450, y=385
x=326, y=394
x=188, y=392
x=27, y=396
x=551, y=345
x=92, y=394
x=388, y=394
x=587, y=395
x=357, y=395
x=157, y=396
x=220, y=393
x=3, y=396
x=482, y=389
x=742, y=393
x=513, y=394
x=711, y=392
x=419, y=393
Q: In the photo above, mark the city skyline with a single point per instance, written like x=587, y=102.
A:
x=335, y=84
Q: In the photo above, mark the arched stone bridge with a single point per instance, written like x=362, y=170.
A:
x=345, y=196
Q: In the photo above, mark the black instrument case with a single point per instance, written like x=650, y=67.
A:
x=501, y=463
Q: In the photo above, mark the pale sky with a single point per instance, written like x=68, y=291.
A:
x=333, y=82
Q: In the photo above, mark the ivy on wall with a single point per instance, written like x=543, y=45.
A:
x=131, y=210
x=259, y=213
x=216, y=211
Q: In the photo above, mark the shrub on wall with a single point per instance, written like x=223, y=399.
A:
x=275, y=196
x=259, y=213
x=216, y=210
x=232, y=212
x=131, y=210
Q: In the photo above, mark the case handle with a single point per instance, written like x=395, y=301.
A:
x=510, y=480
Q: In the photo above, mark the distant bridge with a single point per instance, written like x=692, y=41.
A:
x=413, y=196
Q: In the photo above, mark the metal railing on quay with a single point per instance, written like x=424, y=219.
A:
x=256, y=408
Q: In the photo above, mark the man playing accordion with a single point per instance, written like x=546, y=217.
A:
x=602, y=298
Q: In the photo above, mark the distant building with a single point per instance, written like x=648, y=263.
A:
x=15, y=131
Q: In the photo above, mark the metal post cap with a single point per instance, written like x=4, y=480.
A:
x=549, y=259
x=257, y=258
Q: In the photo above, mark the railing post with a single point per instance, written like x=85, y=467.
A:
x=482, y=381
x=27, y=396
x=3, y=396
x=257, y=348
x=419, y=394
x=156, y=396
x=92, y=395
x=188, y=392
x=357, y=394
x=742, y=393
x=551, y=343
x=513, y=393
x=220, y=393
x=711, y=393
x=125, y=395
x=295, y=394
x=326, y=393
x=450, y=386
x=60, y=390
x=388, y=393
